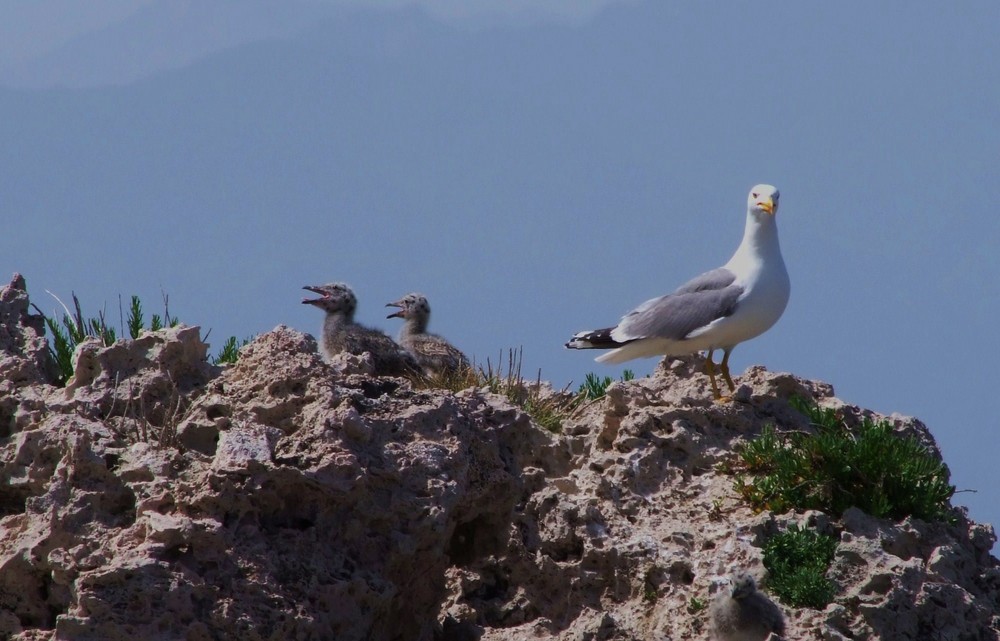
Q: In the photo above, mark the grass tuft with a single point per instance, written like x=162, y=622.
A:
x=456, y=381
x=594, y=387
x=870, y=467
x=546, y=406
x=798, y=560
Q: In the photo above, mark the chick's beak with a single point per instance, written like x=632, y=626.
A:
x=398, y=314
x=313, y=301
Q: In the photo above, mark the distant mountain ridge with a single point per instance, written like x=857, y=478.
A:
x=161, y=36
x=158, y=37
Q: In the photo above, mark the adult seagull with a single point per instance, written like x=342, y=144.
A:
x=717, y=310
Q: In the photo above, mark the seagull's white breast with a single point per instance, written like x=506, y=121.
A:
x=760, y=271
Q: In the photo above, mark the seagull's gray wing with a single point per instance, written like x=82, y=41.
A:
x=694, y=305
x=715, y=279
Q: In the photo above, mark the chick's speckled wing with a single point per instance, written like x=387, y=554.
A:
x=436, y=353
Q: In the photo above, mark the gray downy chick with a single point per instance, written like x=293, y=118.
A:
x=743, y=613
x=342, y=334
x=433, y=353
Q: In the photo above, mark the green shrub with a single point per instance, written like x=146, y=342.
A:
x=870, y=467
x=594, y=387
x=798, y=560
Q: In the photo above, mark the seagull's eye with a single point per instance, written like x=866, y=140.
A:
x=753, y=195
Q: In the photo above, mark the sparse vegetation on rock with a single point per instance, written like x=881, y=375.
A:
x=594, y=387
x=74, y=328
x=546, y=406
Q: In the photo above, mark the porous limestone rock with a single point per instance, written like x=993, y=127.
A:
x=27, y=370
x=284, y=497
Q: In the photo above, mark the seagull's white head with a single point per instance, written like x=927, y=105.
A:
x=763, y=199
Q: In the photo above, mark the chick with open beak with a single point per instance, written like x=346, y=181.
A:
x=341, y=334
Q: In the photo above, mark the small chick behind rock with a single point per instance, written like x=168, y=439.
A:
x=342, y=334
x=434, y=354
x=743, y=613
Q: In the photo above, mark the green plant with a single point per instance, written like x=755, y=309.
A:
x=70, y=332
x=73, y=328
x=798, y=560
x=61, y=349
x=696, y=605
x=868, y=466
x=136, y=323
x=230, y=351
x=594, y=387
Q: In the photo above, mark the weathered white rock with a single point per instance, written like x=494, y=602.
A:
x=246, y=448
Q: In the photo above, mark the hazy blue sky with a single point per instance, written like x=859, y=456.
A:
x=534, y=168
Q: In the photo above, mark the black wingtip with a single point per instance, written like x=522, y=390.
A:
x=597, y=339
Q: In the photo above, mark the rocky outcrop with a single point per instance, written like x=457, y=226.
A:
x=25, y=365
x=159, y=497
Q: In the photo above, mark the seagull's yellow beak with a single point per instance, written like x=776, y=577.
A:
x=767, y=205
